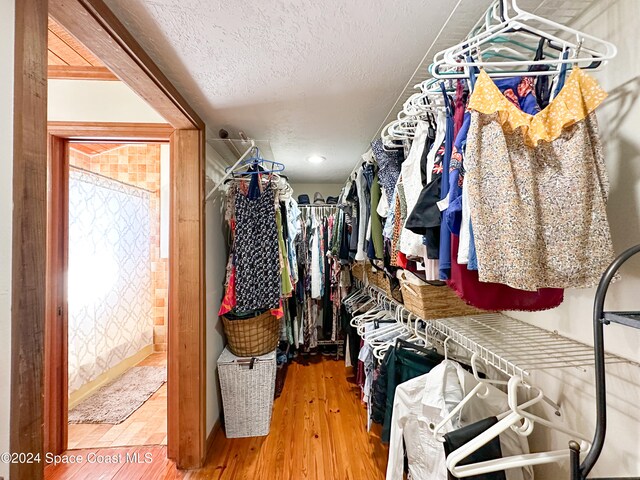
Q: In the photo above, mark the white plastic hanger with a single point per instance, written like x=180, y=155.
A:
x=457, y=55
x=513, y=419
x=481, y=389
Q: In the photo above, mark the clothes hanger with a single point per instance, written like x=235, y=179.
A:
x=361, y=327
x=356, y=320
x=513, y=418
x=256, y=161
x=481, y=389
x=457, y=54
x=380, y=350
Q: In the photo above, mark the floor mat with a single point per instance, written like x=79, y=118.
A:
x=115, y=402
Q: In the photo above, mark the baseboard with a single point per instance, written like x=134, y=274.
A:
x=87, y=389
x=212, y=436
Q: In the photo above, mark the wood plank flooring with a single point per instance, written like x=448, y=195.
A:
x=318, y=431
x=146, y=426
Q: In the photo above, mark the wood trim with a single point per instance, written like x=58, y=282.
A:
x=186, y=353
x=98, y=29
x=78, y=72
x=29, y=236
x=96, y=132
x=56, y=360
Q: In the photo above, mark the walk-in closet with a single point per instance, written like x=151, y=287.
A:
x=434, y=314
x=394, y=239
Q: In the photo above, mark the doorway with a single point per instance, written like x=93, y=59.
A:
x=117, y=243
x=34, y=377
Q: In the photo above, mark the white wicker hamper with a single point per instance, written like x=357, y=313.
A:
x=247, y=385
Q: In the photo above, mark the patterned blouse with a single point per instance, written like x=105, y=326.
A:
x=538, y=188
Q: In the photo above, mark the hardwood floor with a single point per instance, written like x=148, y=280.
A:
x=146, y=426
x=318, y=431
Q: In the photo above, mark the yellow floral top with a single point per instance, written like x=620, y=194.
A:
x=580, y=96
x=538, y=187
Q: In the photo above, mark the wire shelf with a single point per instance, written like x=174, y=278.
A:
x=512, y=346
x=515, y=347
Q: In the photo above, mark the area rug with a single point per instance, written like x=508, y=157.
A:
x=115, y=402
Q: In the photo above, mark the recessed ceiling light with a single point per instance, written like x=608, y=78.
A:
x=316, y=159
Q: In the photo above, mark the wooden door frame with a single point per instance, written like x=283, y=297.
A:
x=94, y=25
x=61, y=136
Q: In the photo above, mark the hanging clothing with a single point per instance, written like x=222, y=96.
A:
x=257, y=252
x=286, y=286
x=293, y=230
x=316, y=257
x=403, y=364
x=444, y=255
x=496, y=296
x=376, y=223
x=327, y=306
x=388, y=166
x=538, y=188
x=363, y=217
x=426, y=217
x=428, y=399
x=543, y=88
x=490, y=451
x=398, y=222
x=411, y=243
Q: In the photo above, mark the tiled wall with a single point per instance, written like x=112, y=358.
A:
x=138, y=165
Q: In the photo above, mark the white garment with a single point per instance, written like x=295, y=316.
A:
x=411, y=243
x=432, y=267
x=428, y=399
x=363, y=214
x=465, y=231
x=383, y=205
x=293, y=230
x=316, y=275
x=366, y=357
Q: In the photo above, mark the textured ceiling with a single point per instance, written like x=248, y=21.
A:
x=308, y=77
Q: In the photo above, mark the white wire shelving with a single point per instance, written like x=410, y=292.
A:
x=511, y=346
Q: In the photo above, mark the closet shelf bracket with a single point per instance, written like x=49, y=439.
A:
x=630, y=319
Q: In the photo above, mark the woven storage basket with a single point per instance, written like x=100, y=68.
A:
x=430, y=302
x=380, y=280
x=358, y=271
x=247, y=386
x=253, y=336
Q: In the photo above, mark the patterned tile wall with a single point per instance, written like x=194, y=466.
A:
x=138, y=165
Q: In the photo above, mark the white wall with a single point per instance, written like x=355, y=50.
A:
x=216, y=256
x=7, y=17
x=619, y=120
x=97, y=101
x=325, y=189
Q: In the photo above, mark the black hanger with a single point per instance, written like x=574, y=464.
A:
x=400, y=343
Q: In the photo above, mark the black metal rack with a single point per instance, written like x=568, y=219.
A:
x=579, y=471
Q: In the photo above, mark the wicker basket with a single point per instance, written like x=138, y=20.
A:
x=247, y=387
x=254, y=336
x=358, y=271
x=380, y=280
x=430, y=302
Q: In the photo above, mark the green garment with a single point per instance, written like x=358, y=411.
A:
x=376, y=223
x=403, y=365
x=287, y=287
